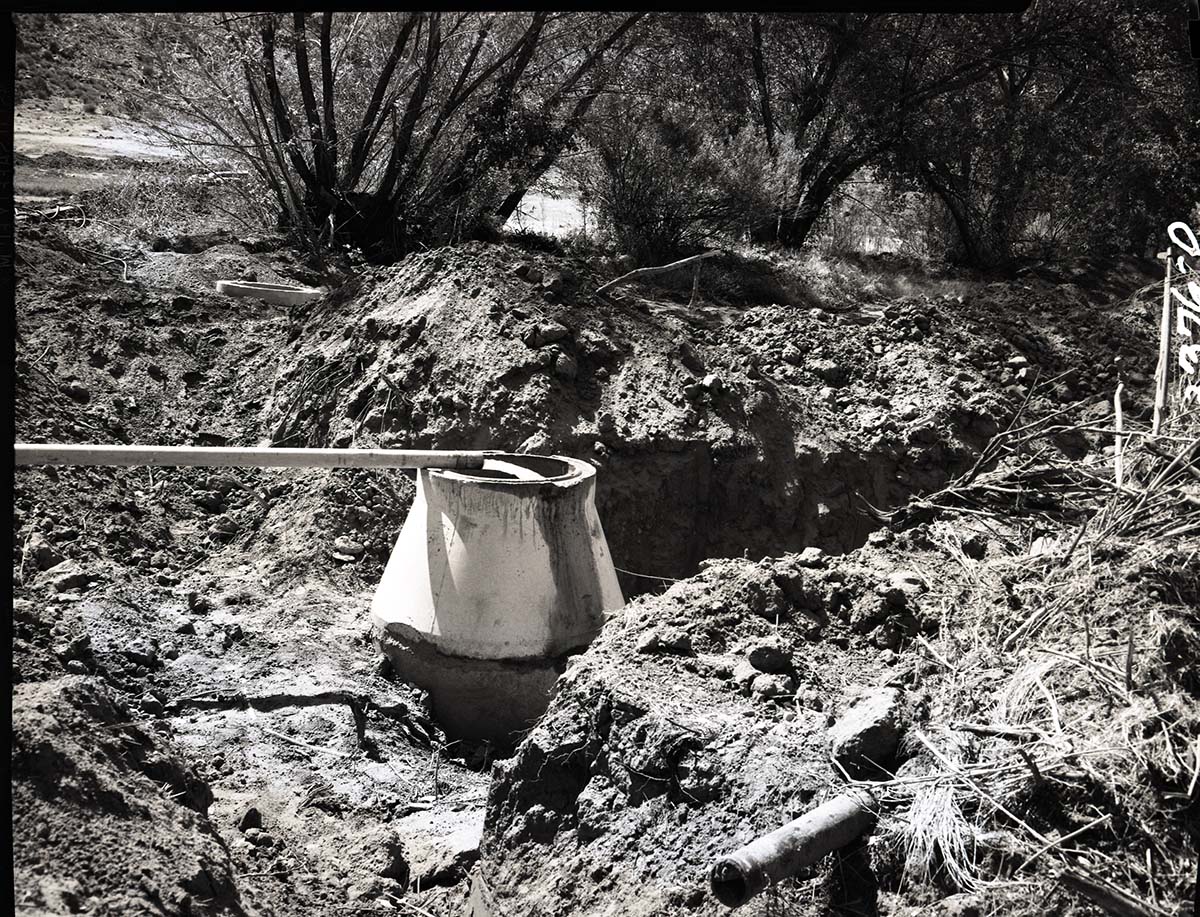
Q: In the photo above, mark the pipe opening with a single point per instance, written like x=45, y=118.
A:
x=494, y=474
x=729, y=886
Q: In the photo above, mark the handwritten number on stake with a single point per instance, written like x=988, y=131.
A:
x=1179, y=232
x=1187, y=306
x=1189, y=356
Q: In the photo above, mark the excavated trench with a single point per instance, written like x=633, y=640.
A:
x=765, y=466
x=754, y=430
x=666, y=512
x=668, y=503
x=662, y=514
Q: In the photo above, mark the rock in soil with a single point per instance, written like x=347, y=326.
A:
x=770, y=654
x=67, y=575
x=665, y=640
x=866, y=736
x=44, y=554
x=251, y=818
x=439, y=849
x=770, y=687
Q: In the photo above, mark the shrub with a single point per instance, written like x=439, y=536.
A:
x=661, y=185
x=431, y=130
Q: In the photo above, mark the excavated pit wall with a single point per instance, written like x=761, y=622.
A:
x=715, y=430
x=667, y=511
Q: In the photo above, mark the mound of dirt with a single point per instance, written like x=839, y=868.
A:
x=63, y=160
x=705, y=717
x=723, y=428
x=733, y=429
x=165, y=360
x=694, y=723
x=156, y=585
x=107, y=820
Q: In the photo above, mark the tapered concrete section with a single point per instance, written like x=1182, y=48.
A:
x=498, y=574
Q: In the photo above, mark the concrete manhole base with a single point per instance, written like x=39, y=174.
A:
x=474, y=698
x=281, y=294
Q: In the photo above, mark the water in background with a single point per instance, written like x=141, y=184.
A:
x=552, y=215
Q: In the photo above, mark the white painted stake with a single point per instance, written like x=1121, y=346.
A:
x=1119, y=439
x=1163, y=374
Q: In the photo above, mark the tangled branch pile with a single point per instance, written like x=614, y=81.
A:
x=1069, y=744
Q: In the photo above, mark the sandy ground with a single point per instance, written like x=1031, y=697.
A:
x=62, y=126
x=551, y=215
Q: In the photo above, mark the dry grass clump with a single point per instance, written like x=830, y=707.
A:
x=110, y=225
x=937, y=838
x=156, y=199
x=1068, y=751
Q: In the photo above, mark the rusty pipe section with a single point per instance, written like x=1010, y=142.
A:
x=741, y=875
x=243, y=457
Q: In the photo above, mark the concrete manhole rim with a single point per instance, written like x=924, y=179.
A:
x=575, y=470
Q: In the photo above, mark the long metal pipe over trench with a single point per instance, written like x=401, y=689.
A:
x=243, y=457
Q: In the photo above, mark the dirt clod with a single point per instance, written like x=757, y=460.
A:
x=665, y=640
x=866, y=736
x=770, y=654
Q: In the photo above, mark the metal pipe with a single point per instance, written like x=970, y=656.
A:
x=741, y=875
x=243, y=457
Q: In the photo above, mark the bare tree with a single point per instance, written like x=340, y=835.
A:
x=426, y=126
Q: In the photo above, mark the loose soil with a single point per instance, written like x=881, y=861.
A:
x=201, y=727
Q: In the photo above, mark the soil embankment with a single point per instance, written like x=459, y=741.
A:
x=189, y=645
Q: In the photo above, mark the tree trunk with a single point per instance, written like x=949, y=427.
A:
x=760, y=79
x=795, y=229
x=966, y=251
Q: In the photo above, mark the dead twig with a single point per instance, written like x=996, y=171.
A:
x=1115, y=900
x=359, y=705
x=654, y=271
x=1119, y=439
x=1062, y=840
x=935, y=654
x=1000, y=732
x=124, y=264
x=305, y=745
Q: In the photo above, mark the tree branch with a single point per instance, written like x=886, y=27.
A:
x=413, y=111
x=371, y=117
x=304, y=75
x=760, y=80
x=282, y=122
x=331, y=136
